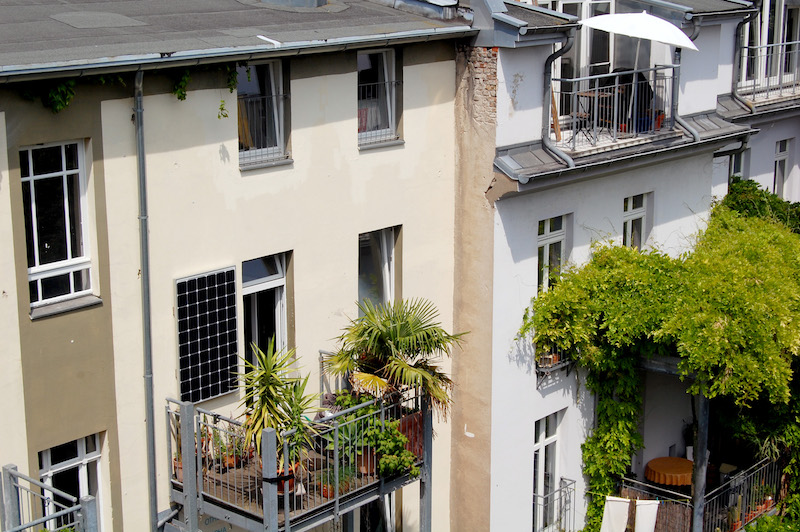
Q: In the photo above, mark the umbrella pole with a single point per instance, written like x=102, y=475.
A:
x=634, y=79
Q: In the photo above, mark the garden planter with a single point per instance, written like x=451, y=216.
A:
x=177, y=467
x=411, y=427
x=367, y=462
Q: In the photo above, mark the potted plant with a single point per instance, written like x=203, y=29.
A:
x=395, y=345
x=326, y=480
x=394, y=458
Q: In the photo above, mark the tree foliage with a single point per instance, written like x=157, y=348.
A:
x=729, y=309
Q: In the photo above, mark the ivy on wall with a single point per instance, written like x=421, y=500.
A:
x=729, y=309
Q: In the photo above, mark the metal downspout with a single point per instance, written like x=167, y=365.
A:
x=676, y=87
x=737, y=58
x=547, y=143
x=145, y=274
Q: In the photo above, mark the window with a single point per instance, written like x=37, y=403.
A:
x=635, y=220
x=545, y=472
x=740, y=164
x=207, y=345
x=781, y=167
x=54, y=200
x=376, y=266
x=552, y=250
x=377, y=97
x=260, y=108
x=264, y=290
x=72, y=468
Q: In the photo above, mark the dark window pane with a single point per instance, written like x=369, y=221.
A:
x=81, y=280
x=64, y=452
x=33, y=288
x=540, y=278
x=260, y=268
x=636, y=233
x=624, y=233
x=26, y=202
x=24, y=168
x=638, y=201
x=71, y=154
x=46, y=160
x=556, y=223
x=55, y=286
x=541, y=227
x=50, y=220
x=75, y=222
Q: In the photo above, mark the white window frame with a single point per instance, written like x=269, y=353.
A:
x=388, y=134
x=249, y=157
x=72, y=264
x=781, y=167
x=277, y=282
x=540, y=444
x=631, y=214
x=83, y=461
x=545, y=239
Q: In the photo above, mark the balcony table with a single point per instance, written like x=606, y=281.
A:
x=669, y=471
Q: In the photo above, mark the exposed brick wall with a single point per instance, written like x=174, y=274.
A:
x=481, y=74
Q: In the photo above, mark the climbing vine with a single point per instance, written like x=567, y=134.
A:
x=729, y=309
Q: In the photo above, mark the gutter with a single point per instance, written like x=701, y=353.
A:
x=547, y=143
x=146, y=334
x=737, y=58
x=155, y=61
x=625, y=161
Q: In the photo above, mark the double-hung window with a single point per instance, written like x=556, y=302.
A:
x=56, y=218
x=545, y=471
x=634, y=221
x=264, y=291
x=377, y=97
x=552, y=250
x=72, y=468
x=260, y=108
x=781, y=167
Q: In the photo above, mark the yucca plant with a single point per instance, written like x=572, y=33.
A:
x=394, y=345
x=274, y=397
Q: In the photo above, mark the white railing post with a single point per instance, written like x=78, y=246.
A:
x=269, y=486
x=9, y=510
x=190, y=455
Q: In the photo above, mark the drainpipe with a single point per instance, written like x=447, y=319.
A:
x=547, y=143
x=676, y=88
x=145, y=275
x=737, y=58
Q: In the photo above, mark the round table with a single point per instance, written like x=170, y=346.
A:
x=669, y=471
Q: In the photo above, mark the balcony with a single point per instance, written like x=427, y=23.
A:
x=770, y=73
x=215, y=472
x=556, y=510
x=30, y=505
x=731, y=507
x=610, y=111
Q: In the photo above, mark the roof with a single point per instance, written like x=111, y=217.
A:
x=731, y=109
x=47, y=35
x=533, y=17
x=713, y=6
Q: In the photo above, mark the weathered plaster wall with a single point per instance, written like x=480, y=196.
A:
x=761, y=159
x=520, y=83
x=471, y=478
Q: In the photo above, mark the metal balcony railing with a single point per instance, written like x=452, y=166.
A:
x=601, y=110
x=744, y=498
x=261, y=129
x=30, y=505
x=555, y=511
x=770, y=72
x=330, y=473
x=730, y=507
x=377, y=112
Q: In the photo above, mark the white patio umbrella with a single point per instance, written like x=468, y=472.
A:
x=641, y=26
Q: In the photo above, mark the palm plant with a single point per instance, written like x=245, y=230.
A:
x=394, y=345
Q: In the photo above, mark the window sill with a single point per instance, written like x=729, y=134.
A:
x=378, y=145
x=266, y=164
x=64, y=306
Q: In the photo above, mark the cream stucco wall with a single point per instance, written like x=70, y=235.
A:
x=681, y=192
x=206, y=214
x=14, y=450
